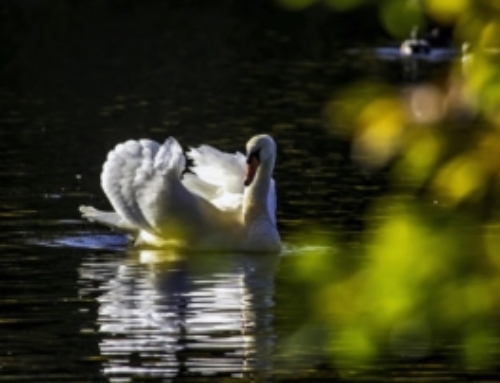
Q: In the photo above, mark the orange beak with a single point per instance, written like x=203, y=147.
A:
x=252, y=166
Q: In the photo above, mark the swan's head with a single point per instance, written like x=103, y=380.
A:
x=261, y=149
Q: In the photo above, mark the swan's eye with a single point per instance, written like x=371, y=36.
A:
x=255, y=154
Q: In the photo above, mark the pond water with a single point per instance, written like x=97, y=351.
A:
x=77, y=303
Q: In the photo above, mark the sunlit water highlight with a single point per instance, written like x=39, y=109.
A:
x=162, y=314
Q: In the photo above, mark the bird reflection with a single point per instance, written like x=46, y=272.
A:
x=167, y=314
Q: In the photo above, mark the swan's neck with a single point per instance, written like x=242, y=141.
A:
x=255, y=196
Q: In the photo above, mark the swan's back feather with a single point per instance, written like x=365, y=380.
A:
x=224, y=170
x=199, y=187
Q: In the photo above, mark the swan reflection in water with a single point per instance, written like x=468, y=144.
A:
x=163, y=314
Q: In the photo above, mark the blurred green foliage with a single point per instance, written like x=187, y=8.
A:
x=427, y=270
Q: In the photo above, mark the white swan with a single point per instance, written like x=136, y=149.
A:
x=414, y=45
x=215, y=206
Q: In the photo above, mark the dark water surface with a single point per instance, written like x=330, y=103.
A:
x=77, y=305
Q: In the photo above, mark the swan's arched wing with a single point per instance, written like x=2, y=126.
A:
x=118, y=178
x=140, y=179
x=218, y=176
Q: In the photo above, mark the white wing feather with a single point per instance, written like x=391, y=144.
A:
x=218, y=177
x=135, y=180
x=119, y=175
